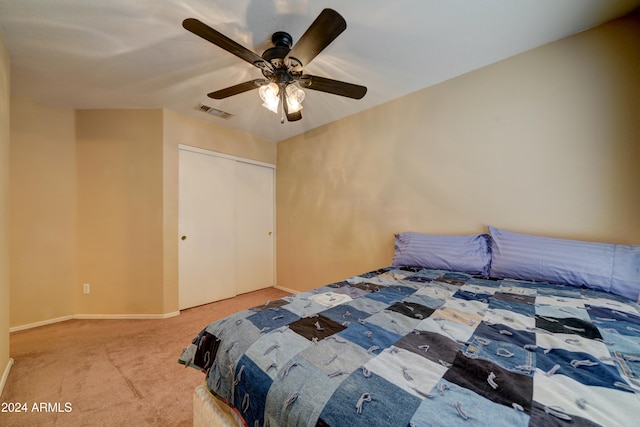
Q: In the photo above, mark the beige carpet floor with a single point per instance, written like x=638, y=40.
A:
x=111, y=372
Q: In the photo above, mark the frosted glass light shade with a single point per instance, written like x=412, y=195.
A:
x=295, y=96
x=269, y=95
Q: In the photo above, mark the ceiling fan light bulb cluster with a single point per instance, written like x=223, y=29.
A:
x=270, y=97
x=295, y=96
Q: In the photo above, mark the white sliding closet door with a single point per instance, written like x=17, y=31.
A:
x=206, y=224
x=226, y=220
x=254, y=227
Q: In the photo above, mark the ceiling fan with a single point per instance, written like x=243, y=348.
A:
x=282, y=65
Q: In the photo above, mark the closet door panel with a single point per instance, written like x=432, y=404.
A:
x=255, y=234
x=207, y=224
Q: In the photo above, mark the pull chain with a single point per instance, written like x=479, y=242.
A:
x=283, y=99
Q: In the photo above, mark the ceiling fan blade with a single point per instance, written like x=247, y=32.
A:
x=206, y=32
x=294, y=117
x=335, y=87
x=291, y=116
x=236, y=89
x=327, y=26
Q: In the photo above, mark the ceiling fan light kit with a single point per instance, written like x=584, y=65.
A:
x=271, y=94
x=282, y=65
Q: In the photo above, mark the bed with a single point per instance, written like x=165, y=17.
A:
x=488, y=329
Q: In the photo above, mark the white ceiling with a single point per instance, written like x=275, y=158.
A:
x=87, y=54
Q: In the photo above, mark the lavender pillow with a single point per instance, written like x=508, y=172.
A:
x=604, y=266
x=467, y=253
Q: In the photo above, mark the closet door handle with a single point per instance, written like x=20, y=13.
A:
x=183, y=238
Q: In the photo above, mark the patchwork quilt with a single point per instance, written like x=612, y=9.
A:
x=405, y=346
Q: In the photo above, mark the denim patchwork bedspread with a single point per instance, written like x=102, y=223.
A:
x=404, y=346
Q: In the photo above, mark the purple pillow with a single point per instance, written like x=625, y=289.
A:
x=459, y=252
x=604, y=266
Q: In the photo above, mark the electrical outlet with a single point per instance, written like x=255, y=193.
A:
x=86, y=288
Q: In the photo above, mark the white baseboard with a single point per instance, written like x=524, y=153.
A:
x=42, y=323
x=282, y=288
x=5, y=375
x=125, y=316
x=95, y=317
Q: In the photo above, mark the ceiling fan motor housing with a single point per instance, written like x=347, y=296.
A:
x=282, y=45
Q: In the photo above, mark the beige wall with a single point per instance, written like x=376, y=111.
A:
x=119, y=227
x=545, y=142
x=179, y=129
x=4, y=207
x=43, y=205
